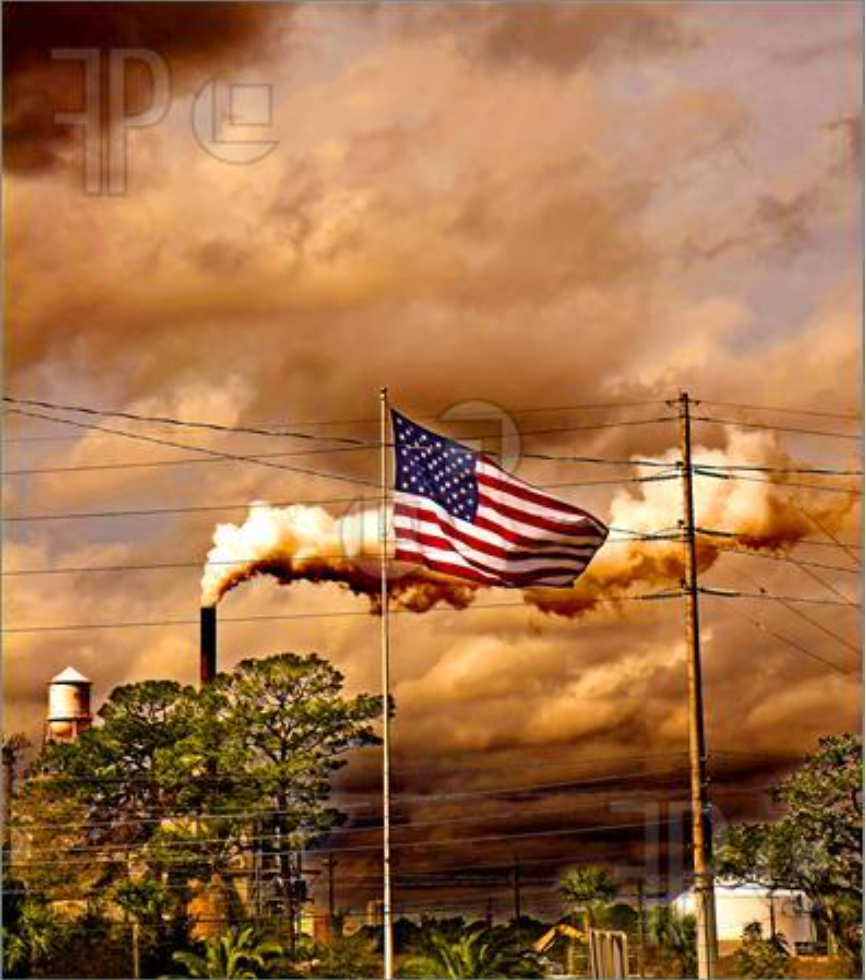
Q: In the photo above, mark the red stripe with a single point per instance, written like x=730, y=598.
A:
x=459, y=571
x=479, y=544
x=534, y=520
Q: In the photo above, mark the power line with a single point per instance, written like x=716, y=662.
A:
x=788, y=559
x=256, y=460
x=776, y=428
x=757, y=624
x=403, y=798
x=792, y=470
x=835, y=543
x=269, y=428
x=807, y=619
x=785, y=410
x=645, y=597
x=322, y=835
x=198, y=563
x=778, y=483
x=353, y=442
x=734, y=594
x=849, y=549
x=439, y=844
x=262, y=505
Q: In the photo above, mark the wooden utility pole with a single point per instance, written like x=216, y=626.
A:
x=705, y=906
x=331, y=864
x=8, y=790
x=136, y=949
x=516, y=881
x=641, y=930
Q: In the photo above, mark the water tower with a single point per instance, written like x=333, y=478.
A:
x=68, y=706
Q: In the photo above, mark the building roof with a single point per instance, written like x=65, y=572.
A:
x=70, y=676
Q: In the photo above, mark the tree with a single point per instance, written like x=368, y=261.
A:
x=588, y=889
x=240, y=953
x=176, y=783
x=346, y=956
x=758, y=957
x=283, y=728
x=479, y=951
x=675, y=935
x=34, y=937
x=816, y=847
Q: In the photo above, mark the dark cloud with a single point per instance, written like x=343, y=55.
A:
x=561, y=36
x=190, y=37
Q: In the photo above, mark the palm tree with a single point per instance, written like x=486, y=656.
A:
x=479, y=951
x=675, y=935
x=35, y=936
x=236, y=955
x=588, y=889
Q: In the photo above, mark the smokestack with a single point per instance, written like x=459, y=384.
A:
x=208, y=648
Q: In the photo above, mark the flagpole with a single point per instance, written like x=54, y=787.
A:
x=386, y=687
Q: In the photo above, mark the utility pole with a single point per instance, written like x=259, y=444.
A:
x=641, y=930
x=516, y=881
x=705, y=906
x=136, y=949
x=330, y=864
x=8, y=790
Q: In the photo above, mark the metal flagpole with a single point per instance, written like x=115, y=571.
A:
x=705, y=905
x=386, y=687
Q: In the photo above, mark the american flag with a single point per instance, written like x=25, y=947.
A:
x=459, y=513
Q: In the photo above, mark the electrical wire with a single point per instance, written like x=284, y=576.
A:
x=776, y=428
x=280, y=427
x=734, y=594
x=198, y=563
x=788, y=559
x=757, y=624
x=323, y=835
x=438, y=844
x=217, y=454
x=777, y=483
x=807, y=619
x=785, y=410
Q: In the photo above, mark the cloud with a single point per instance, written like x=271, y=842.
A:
x=191, y=38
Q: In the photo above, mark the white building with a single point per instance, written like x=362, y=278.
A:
x=739, y=905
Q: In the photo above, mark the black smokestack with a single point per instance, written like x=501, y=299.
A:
x=208, y=648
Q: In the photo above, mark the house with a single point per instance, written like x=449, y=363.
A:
x=783, y=911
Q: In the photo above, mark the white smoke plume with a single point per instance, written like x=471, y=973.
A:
x=306, y=543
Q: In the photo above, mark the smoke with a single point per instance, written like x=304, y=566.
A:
x=643, y=553
x=307, y=544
